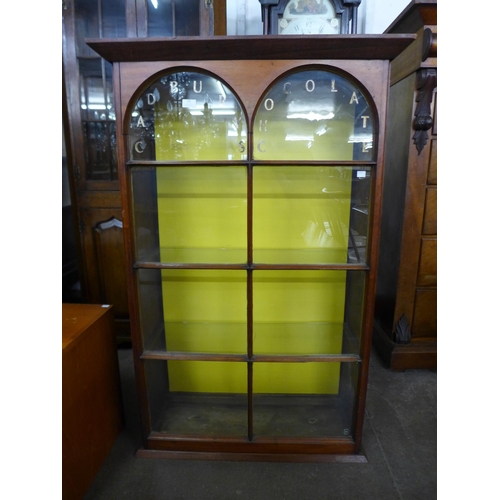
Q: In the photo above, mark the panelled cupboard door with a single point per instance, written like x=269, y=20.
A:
x=90, y=126
x=252, y=221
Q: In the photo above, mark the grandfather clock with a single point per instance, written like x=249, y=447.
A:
x=250, y=178
x=309, y=17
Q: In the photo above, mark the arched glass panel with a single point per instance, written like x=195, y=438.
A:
x=313, y=115
x=187, y=116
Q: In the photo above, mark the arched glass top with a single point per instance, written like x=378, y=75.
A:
x=313, y=115
x=187, y=116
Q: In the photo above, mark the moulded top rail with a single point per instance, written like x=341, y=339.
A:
x=256, y=47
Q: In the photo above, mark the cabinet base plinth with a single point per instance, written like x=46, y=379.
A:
x=417, y=355
x=251, y=457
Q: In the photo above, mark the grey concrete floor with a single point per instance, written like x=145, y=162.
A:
x=399, y=441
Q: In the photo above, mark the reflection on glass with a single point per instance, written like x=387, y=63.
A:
x=95, y=19
x=161, y=17
x=301, y=400
x=313, y=115
x=355, y=305
x=98, y=119
x=310, y=215
x=149, y=284
x=204, y=310
x=206, y=398
x=187, y=116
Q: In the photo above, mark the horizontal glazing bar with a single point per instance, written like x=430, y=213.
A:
x=256, y=267
x=162, y=436
x=275, y=163
x=158, y=265
x=162, y=355
x=306, y=359
x=204, y=163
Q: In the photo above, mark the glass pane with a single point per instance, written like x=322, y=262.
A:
x=162, y=22
x=303, y=312
x=188, y=116
x=190, y=214
x=313, y=115
x=198, y=398
x=98, y=119
x=312, y=400
x=98, y=19
x=114, y=24
x=187, y=17
x=205, y=311
x=310, y=215
x=152, y=323
x=354, y=311
x=86, y=25
x=193, y=311
x=160, y=18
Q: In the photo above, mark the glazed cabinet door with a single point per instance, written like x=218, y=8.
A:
x=251, y=214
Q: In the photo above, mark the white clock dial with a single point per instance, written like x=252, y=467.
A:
x=310, y=26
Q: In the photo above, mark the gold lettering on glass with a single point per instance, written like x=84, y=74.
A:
x=173, y=87
x=140, y=122
x=333, y=89
x=285, y=88
x=269, y=104
x=197, y=90
x=310, y=85
x=354, y=98
x=261, y=123
x=364, y=120
x=139, y=146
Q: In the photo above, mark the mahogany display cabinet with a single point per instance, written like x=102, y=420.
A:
x=251, y=171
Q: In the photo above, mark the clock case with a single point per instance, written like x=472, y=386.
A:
x=346, y=12
x=249, y=65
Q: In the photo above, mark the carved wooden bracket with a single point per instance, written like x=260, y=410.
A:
x=402, y=334
x=429, y=44
x=426, y=83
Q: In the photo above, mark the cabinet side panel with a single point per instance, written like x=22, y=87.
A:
x=425, y=314
x=395, y=174
x=91, y=399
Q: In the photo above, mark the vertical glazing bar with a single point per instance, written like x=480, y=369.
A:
x=265, y=16
x=250, y=400
x=99, y=17
x=174, y=33
x=249, y=261
x=250, y=297
x=107, y=129
x=250, y=215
